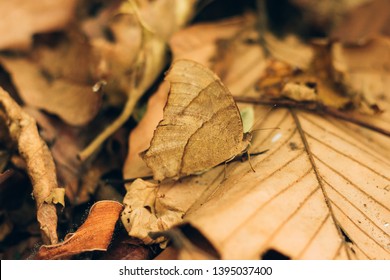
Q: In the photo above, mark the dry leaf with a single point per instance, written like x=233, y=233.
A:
x=76, y=104
x=25, y=18
x=281, y=80
x=39, y=162
x=363, y=71
x=201, y=121
x=363, y=23
x=151, y=208
x=306, y=198
x=290, y=50
x=94, y=235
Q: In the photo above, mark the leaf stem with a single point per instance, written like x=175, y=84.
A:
x=96, y=143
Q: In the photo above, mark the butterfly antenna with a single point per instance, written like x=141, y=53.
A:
x=261, y=119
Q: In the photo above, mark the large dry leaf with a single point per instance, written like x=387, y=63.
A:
x=95, y=233
x=25, y=18
x=316, y=185
x=320, y=192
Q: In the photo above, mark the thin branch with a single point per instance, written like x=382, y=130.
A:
x=313, y=107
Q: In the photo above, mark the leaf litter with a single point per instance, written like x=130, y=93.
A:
x=320, y=191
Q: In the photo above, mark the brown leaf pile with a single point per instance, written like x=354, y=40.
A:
x=83, y=100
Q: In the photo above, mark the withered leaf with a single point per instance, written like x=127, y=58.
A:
x=75, y=103
x=201, y=127
x=94, y=234
x=39, y=163
x=21, y=19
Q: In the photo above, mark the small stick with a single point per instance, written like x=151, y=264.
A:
x=313, y=107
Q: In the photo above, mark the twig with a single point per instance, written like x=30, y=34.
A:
x=312, y=107
x=98, y=141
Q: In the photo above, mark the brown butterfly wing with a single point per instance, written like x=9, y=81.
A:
x=201, y=126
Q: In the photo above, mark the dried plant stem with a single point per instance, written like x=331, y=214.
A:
x=98, y=141
x=40, y=165
x=313, y=107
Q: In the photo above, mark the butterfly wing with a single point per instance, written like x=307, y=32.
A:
x=201, y=126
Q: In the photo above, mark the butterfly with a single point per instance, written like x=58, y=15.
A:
x=201, y=125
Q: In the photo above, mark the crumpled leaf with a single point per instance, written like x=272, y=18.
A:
x=39, y=162
x=363, y=71
x=363, y=22
x=151, y=207
x=94, y=235
x=26, y=18
x=282, y=80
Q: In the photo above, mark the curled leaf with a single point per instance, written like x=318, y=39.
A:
x=39, y=162
x=94, y=234
x=146, y=211
x=56, y=196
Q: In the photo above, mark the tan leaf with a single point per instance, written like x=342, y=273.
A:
x=94, y=235
x=75, y=103
x=305, y=195
x=25, y=18
x=201, y=139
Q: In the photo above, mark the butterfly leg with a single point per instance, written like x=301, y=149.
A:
x=249, y=160
x=225, y=166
